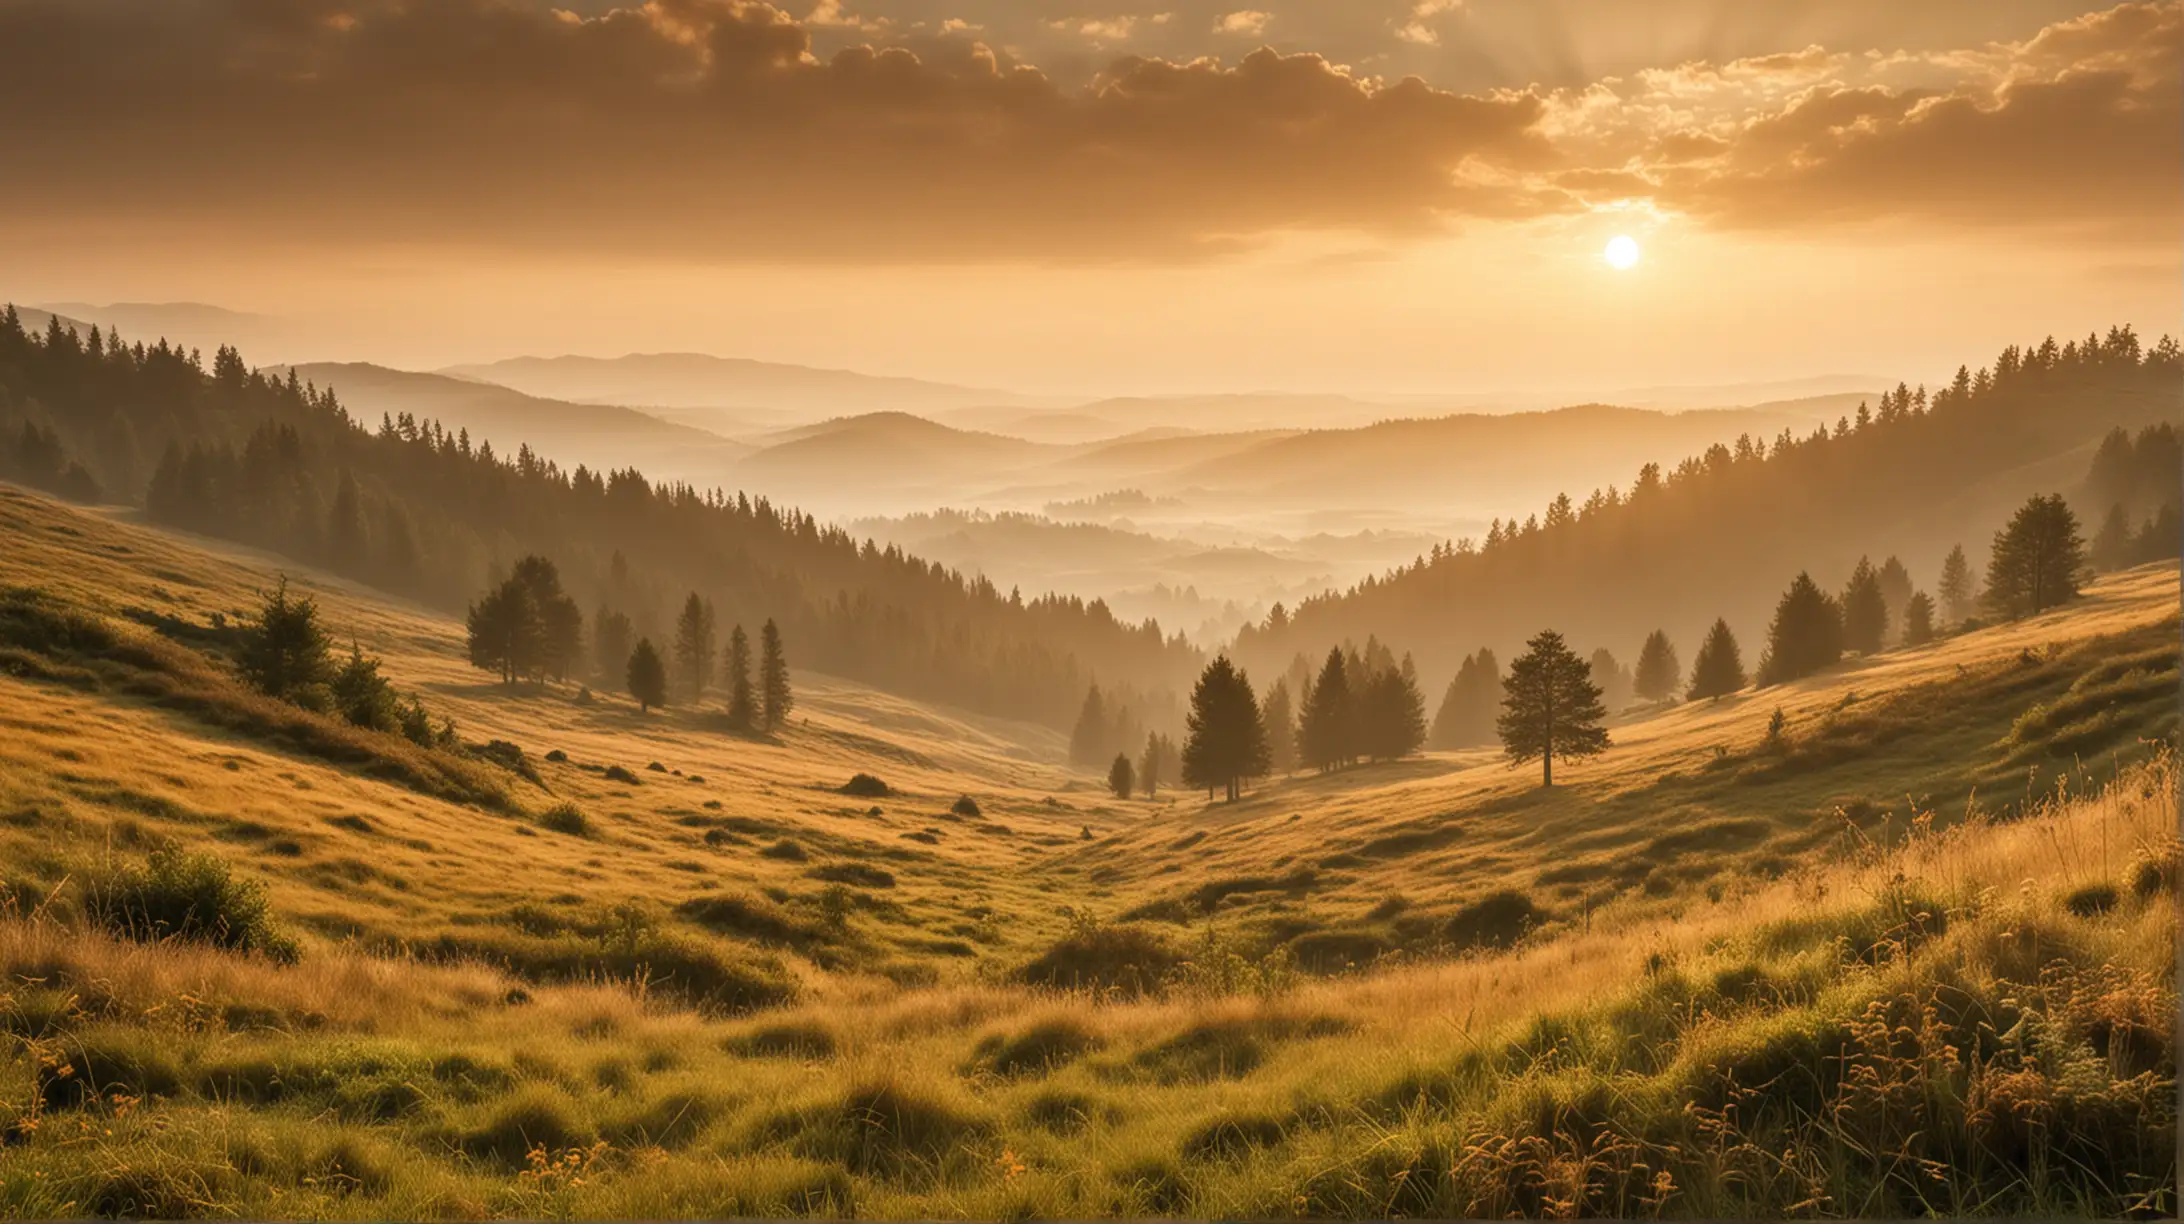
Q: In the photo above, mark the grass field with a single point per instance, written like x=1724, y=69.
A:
x=1916, y=957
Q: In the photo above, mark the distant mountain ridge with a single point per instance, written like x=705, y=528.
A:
x=701, y=381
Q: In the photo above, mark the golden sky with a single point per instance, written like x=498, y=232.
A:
x=1331, y=194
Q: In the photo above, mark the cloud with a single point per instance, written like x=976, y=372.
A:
x=1248, y=22
x=708, y=128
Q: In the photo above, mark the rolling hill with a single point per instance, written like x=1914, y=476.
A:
x=659, y=970
x=696, y=381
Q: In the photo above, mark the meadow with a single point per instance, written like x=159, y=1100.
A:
x=1913, y=955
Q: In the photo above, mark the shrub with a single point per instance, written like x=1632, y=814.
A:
x=1124, y=958
x=566, y=818
x=192, y=897
x=615, y=773
x=1495, y=920
x=882, y=1128
x=859, y=874
x=2092, y=901
x=785, y=850
x=966, y=807
x=2155, y=868
x=656, y=767
x=805, y=1039
x=865, y=786
x=1231, y=1138
x=558, y=757
x=1038, y=1049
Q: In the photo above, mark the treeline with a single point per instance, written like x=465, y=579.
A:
x=1713, y=537
x=422, y=512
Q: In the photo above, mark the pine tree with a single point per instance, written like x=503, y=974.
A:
x=1659, y=671
x=1471, y=704
x=1865, y=610
x=361, y=695
x=742, y=698
x=647, y=676
x=695, y=645
x=1122, y=776
x=560, y=621
x=773, y=677
x=1391, y=714
x=1326, y=733
x=1918, y=619
x=1611, y=678
x=1719, y=669
x=2037, y=560
x=1550, y=707
x=1956, y=587
x=1227, y=744
x=1281, y=728
x=1088, y=742
x=1896, y=587
x=611, y=637
x=284, y=651
x=505, y=633
x=1807, y=634
x=1159, y=757
x=347, y=550
x=2113, y=545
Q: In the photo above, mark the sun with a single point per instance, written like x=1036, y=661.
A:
x=1622, y=252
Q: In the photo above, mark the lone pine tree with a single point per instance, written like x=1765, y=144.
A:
x=1227, y=743
x=647, y=676
x=1550, y=707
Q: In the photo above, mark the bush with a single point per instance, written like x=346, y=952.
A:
x=2092, y=901
x=865, y=786
x=2155, y=868
x=802, y=1039
x=1498, y=919
x=566, y=818
x=1124, y=958
x=192, y=897
x=786, y=850
x=966, y=807
x=853, y=873
x=615, y=773
x=1036, y=1050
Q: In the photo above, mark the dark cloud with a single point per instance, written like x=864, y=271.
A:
x=707, y=127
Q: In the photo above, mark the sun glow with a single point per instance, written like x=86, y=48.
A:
x=1622, y=252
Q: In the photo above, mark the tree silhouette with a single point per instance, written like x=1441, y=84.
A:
x=773, y=677
x=1865, y=610
x=284, y=651
x=1326, y=731
x=1611, y=678
x=1121, y=776
x=1391, y=714
x=1550, y=707
x=1155, y=764
x=612, y=635
x=1659, y=671
x=742, y=698
x=2112, y=544
x=1280, y=722
x=695, y=641
x=1956, y=587
x=2037, y=560
x=1896, y=588
x=1088, y=741
x=1471, y=704
x=647, y=676
x=1806, y=635
x=1227, y=744
x=560, y=621
x=1918, y=619
x=361, y=695
x=1719, y=669
x=504, y=632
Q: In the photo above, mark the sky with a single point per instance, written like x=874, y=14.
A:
x=1105, y=197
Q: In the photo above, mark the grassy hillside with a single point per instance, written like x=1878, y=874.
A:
x=679, y=972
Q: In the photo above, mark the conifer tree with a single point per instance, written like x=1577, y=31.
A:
x=1659, y=671
x=361, y=695
x=347, y=551
x=742, y=698
x=1611, y=678
x=505, y=633
x=1956, y=587
x=1865, y=610
x=1155, y=764
x=611, y=637
x=647, y=676
x=776, y=698
x=1806, y=635
x=1326, y=731
x=560, y=626
x=1122, y=776
x=1391, y=721
x=695, y=645
x=1719, y=669
x=1227, y=744
x=284, y=651
x=2037, y=561
x=2113, y=544
x=1088, y=742
x=1550, y=707
x=1918, y=619
x=1281, y=728
x=1896, y=588
x=1471, y=704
